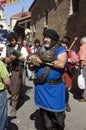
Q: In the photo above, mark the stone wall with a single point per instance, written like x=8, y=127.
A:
x=59, y=19
x=57, y=16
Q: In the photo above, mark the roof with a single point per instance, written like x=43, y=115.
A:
x=22, y=21
x=22, y=14
x=22, y=18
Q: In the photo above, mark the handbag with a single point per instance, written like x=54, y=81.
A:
x=81, y=81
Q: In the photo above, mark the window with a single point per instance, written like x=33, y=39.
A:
x=74, y=7
x=34, y=29
x=71, y=8
x=46, y=18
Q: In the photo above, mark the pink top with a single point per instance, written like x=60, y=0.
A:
x=74, y=58
x=82, y=53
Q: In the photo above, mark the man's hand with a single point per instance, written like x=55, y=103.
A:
x=33, y=62
x=36, y=58
x=7, y=59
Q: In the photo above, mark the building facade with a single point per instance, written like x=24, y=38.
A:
x=49, y=14
x=67, y=17
x=3, y=20
x=21, y=21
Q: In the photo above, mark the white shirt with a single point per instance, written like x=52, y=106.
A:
x=33, y=49
x=1, y=47
x=23, y=51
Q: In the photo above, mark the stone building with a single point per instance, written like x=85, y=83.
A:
x=66, y=16
x=3, y=19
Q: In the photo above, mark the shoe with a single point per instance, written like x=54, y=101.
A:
x=68, y=109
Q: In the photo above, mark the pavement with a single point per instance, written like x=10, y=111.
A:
x=28, y=117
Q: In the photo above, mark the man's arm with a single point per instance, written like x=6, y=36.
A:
x=4, y=75
x=7, y=82
x=60, y=63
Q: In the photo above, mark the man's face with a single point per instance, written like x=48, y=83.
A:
x=37, y=45
x=47, y=42
x=64, y=44
x=13, y=42
x=19, y=42
x=25, y=43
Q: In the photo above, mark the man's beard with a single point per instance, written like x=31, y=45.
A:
x=46, y=45
x=50, y=45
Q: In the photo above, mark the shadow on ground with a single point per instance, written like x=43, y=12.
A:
x=36, y=117
x=24, y=96
x=11, y=125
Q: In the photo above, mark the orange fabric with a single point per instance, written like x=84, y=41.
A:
x=28, y=50
x=67, y=79
x=74, y=58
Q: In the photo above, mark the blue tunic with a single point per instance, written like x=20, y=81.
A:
x=51, y=97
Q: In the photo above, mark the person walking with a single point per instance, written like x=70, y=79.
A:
x=12, y=58
x=70, y=68
x=25, y=44
x=4, y=84
x=82, y=58
x=36, y=46
x=49, y=94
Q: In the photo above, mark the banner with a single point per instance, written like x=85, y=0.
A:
x=8, y=2
x=14, y=1
x=3, y=2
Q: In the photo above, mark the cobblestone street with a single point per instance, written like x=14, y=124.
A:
x=28, y=117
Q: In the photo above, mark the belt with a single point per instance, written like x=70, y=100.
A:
x=2, y=90
x=56, y=81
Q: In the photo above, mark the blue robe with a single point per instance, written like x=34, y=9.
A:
x=47, y=96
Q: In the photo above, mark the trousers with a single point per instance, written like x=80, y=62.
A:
x=52, y=120
x=3, y=110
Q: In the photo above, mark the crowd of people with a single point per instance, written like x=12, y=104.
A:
x=55, y=67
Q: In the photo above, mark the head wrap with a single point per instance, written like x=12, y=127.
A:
x=12, y=35
x=51, y=33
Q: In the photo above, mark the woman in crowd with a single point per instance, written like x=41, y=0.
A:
x=82, y=57
x=70, y=68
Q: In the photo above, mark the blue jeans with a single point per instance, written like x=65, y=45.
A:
x=3, y=110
